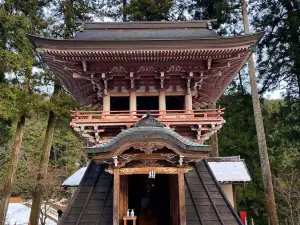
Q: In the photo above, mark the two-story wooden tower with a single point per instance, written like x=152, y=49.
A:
x=149, y=85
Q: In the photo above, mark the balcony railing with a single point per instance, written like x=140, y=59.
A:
x=127, y=118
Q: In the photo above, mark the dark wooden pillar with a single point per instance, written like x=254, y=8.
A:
x=116, y=197
x=174, y=209
x=123, y=196
x=181, y=188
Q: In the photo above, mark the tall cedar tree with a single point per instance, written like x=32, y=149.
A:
x=44, y=161
x=260, y=131
x=279, y=63
x=71, y=11
x=17, y=18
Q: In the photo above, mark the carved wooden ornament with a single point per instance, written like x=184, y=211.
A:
x=148, y=148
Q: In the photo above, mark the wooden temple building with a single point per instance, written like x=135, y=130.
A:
x=149, y=87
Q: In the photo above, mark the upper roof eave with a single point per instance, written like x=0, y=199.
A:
x=239, y=40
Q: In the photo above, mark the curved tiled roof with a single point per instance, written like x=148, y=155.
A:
x=148, y=134
x=148, y=129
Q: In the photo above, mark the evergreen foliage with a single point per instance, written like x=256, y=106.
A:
x=279, y=56
x=66, y=155
x=225, y=12
x=145, y=10
x=278, y=64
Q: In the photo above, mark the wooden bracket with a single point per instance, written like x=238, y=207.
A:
x=84, y=66
x=209, y=63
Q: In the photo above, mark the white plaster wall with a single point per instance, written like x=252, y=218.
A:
x=228, y=191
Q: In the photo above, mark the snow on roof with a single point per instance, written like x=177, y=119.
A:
x=230, y=171
x=226, y=170
x=18, y=214
x=74, y=180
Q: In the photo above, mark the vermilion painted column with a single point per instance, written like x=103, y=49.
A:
x=181, y=188
x=162, y=100
x=116, y=197
x=106, y=103
x=132, y=100
x=188, y=101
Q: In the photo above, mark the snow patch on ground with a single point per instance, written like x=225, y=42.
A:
x=19, y=214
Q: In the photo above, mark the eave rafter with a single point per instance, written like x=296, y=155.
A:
x=212, y=69
x=145, y=56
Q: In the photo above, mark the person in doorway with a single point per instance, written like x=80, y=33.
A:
x=59, y=212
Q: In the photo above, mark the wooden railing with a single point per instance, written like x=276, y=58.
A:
x=173, y=116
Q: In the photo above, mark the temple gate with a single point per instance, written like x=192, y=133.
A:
x=148, y=85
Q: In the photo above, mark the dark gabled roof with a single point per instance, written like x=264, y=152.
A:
x=92, y=202
x=206, y=203
x=205, y=199
x=148, y=129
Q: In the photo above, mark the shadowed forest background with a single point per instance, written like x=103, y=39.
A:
x=26, y=90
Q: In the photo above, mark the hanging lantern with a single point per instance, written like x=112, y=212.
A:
x=115, y=161
x=151, y=174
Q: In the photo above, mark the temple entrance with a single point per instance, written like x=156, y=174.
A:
x=150, y=199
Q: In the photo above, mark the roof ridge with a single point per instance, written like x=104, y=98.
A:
x=85, y=26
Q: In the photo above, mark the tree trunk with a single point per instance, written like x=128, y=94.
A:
x=298, y=83
x=124, y=14
x=14, y=157
x=13, y=165
x=213, y=140
x=262, y=144
x=241, y=84
x=46, y=149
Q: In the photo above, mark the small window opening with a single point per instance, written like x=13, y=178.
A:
x=147, y=103
x=119, y=103
x=175, y=102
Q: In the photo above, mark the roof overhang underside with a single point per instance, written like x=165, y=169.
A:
x=152, y=137
x=225, y=56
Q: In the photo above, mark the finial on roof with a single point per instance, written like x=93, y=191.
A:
x=148, y=114
x=148, y=121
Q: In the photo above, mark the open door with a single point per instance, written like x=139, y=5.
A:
x=150, y=199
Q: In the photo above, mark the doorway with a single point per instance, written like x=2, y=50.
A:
x=150, y=199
